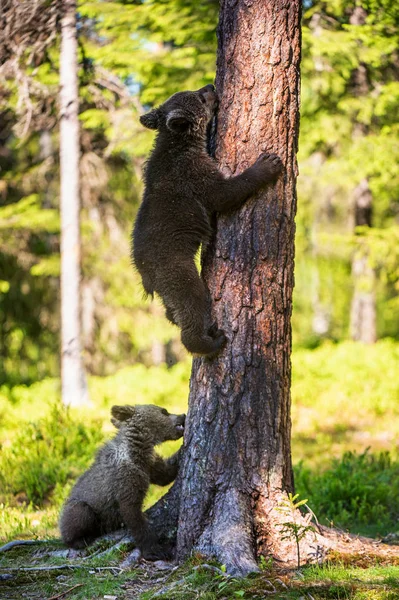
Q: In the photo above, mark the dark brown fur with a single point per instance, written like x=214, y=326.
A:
x=183, y=187
x=112, y=491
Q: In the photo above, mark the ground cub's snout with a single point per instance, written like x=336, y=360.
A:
x=208, y=93
x=180, y=421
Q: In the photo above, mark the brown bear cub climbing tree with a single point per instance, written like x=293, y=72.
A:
x=183, y=188
x=112, y=491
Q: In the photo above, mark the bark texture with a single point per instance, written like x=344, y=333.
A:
x=237, y=462
x=74, y=386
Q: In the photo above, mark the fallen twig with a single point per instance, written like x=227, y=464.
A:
x=133, y=558
x=15, y=543
x=61, y=567
x=66, y=592
x=100, y=553
x=170, y=586
x=167, y=588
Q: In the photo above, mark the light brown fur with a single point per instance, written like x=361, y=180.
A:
x=112, y=491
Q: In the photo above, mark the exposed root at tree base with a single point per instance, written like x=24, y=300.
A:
x=228, y=538
x=290, y=538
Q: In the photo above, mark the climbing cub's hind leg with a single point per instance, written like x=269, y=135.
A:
x=188, y=305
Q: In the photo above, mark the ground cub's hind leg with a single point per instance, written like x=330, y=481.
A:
x=79, y=525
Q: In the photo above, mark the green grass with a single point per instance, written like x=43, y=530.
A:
x=344, y=397
x=358, y=492
x=93, y=581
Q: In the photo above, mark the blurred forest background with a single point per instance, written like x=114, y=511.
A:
x=133, y=55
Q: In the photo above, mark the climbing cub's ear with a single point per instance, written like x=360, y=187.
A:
x=177, y=121
x=121, y=413
x=150, y=119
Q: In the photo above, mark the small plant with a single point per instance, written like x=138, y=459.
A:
x=265, y=564
x=298, y=525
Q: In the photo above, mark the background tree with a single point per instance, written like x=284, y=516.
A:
x=363, y=314
x=73, y=379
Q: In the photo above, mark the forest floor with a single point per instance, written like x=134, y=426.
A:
x=46, y=573
x=345, y=431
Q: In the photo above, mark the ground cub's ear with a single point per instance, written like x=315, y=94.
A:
x=151, y=119
x=116, y=423
x=177, y=121
x=121, y=413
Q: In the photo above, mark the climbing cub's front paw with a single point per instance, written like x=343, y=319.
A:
x=268, y=166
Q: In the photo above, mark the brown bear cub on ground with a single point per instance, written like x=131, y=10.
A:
x=112, y=491
x=183, y=187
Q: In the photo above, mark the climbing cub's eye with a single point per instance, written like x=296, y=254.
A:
x=203, y=99
x=164, y=412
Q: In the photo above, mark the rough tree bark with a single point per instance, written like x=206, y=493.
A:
x=74, y=386
x=238, y=459
x=230, y=499
x=237, y=462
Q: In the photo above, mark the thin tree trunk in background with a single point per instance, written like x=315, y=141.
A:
x=237, y=465
x=363, y=315
x=73, y=379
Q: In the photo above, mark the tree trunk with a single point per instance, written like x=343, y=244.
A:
x=230, y=499
x=363, y=315
x=74, y=386
x=237, y=464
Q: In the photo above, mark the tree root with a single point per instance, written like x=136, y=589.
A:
x=62, y=568
x=15, y=543
x=62, y=594
x=228, y=536
x=315, y=544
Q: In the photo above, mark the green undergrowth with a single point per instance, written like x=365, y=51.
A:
x=344, y=397
x=358, y=492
